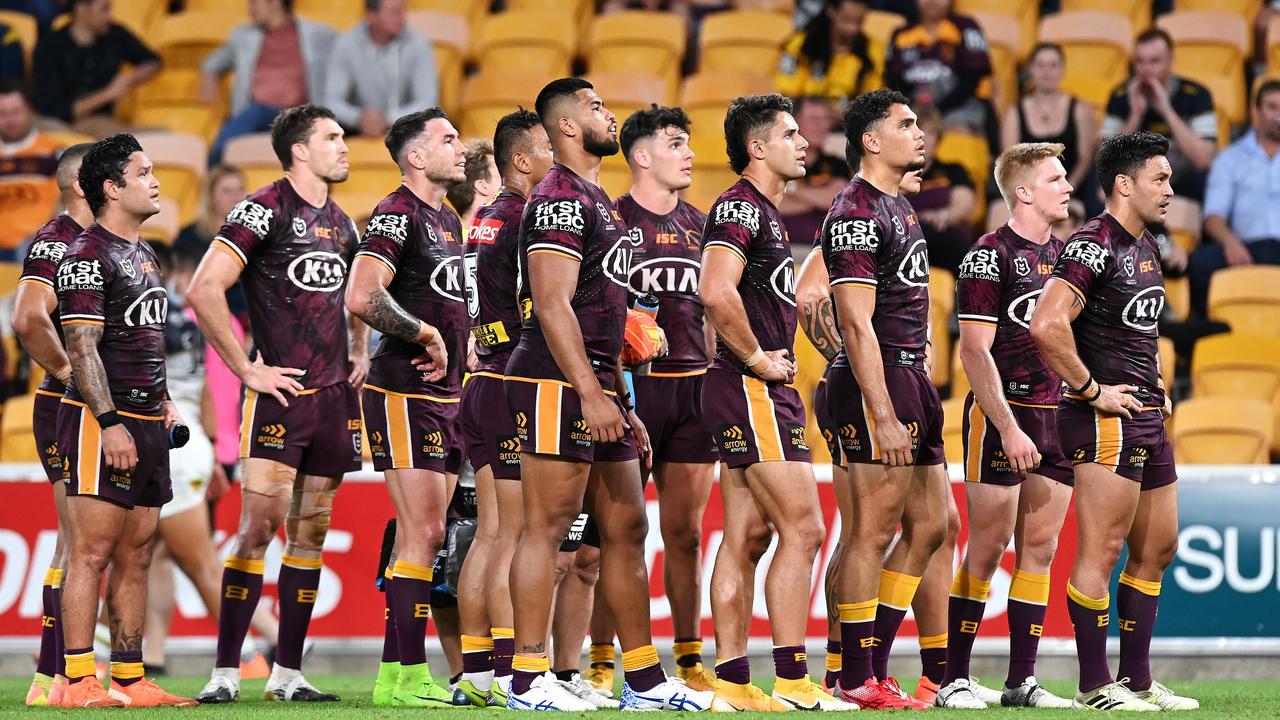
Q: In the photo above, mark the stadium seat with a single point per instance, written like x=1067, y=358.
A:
x=1138, y=11
x=708, y=182
x=615, y=175
x=179, y=160
x=358, y=203
x=1097, y=46
x=163, y=227
x=974, y=154
x=487, y=96
x=1273, y=47
x=248, y=150
x=1211, y=48
x=1222, y=431
x=959, y=379
x=1243, y=8
x=450, y=38
x=17, y=443
x=341, y=15
x=26, y=29
x=878, y=25
x=181, y=84
x=1003, y=43
x=140, y=16
x=953, y=430
x=1239, y=365
x=9, y=274
x=626, y=93
x=240, y=9
x=181, y=116
x=706, y=97
x=583, y=12
x=743, y=41
x=1025, y=12
x=67, y=138
x=786, y=7
x=186, y=39
x=1177, y=292
x=942, y=295
x=1247, y=298
x=529, y=41
x=475, y=11
x=1168, y=360
x=652, y=43
x=366, y=152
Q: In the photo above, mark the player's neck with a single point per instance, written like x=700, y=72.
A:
x=78, y=210
x=769, y=184
x=518, y=183
x=310, y=187
x=652, y=196
x=1030, y=225
x=120, y=223
x=582, y=163
x=429, y=192
x=1127, y=217
x=881, y=177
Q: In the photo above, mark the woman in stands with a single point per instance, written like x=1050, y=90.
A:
x=830, y=56
x=1047, y=113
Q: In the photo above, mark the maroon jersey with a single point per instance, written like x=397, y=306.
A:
x=108, y=281
x=422, y=247
x=1118, y=278
x=874, y=240
x=999, y=283
x=571, y=217
x=666, y=264
x=492, y=261
x=45, y=252
x=746, y=223
x=295, y=258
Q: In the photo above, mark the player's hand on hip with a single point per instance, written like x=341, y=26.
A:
x=604, y=419
x=641, y=433
x=1117, y=400
x=894, y=441
x=359, y=370
x=1021, y=451
x=172, y=417
x=1167, y=409
x=119, y=449
x=270, y=380
x=780, y=369
x=434, y=363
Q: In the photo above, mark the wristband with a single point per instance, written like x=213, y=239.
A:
x=626, y=402
x=1081, y=390
x=108, y=418
x=754, y=358
x=1098, y=391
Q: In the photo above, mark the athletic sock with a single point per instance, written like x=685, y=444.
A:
x=411, y=607
x=1028, y=601
x=790, y=662
x=1091, y=617
x=390, y=645
x=688, y=652
x=1137, y=602
x=241, y=588
x=857, y=638
x=297, y=584
x=80, y=665
x=964, y=615
x=642, y=669
x=504, y=647
x=565, y=675
x=477, y=654
x=734, y=670
x=833, y=664
x=525, y=669
x=47, y=663
x=933, y=657
x=896, y=592
x=126, y=667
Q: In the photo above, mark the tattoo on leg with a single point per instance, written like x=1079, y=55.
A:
x=122, y=639
x=539, y=648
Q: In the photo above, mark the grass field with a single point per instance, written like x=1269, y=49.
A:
x=1218, y=698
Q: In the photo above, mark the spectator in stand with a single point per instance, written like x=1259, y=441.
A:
x=946, y=200
x=806, y=201
x=679, y=7
x=481, y=186
x=829, y=57
x=1047, y=113
x=279, y=61
x=381, y=70
x=1241, y=210
x=78, y=72
x=942, y=61
x=223, y=188
x=1157, y=100
x=13, y=64
x=28, y=164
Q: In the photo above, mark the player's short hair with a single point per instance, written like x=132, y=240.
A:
x=512, y=136
x=1125, y=154
x=295, y=125
x=405, y=129
x=1013, y=165
x=105, y=160
x=556, y=91
x=864, y=113
x=648, y=123
x=747, y=118
x=1264, y=89
x=462, y=195
x=1152, y=34
x=70, y=158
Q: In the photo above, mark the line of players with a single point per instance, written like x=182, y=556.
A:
x=543, y=281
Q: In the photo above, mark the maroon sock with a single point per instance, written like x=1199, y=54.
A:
x=888, y=620
x=522, y=680
x=297, y=588
x=645, y=678
x=735, y=670
x=832, y=676
x=479, y=662
x=503, y=649
x=411, y=606
x=390, y=648
x=933, y=663
x=790, y=662
x=1091, y=625
x=60, y=661
x=856, y=640
x=1136, y=606
x=963, y=617
x=1026, y=625
x=46, y=664
x=241, y=588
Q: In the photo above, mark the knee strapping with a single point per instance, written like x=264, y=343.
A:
x=308, y=521
x=268, y=478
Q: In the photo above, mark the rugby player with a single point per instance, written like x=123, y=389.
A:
x=481, y=185
x=35, y=322
x=1096, y=326
x=290, y=246
x=1019, y=483
x=748, y=290
x=406, y=282
x=113, y=426
x=572, y=413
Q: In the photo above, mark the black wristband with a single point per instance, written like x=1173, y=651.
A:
x=1080, y=390
x=108, y=418
x=1096, y=394
x=626, y=402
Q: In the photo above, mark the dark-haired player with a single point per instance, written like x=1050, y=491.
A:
x=1019, y=483
x=492, y=261
x=748, y=289
x=565, y=388
x=1096, y=325
x=114, y=421
x=406, y=282
x=290, y=245
x=35, y=322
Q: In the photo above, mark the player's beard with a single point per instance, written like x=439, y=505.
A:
x=916, y=166
x=599, y=146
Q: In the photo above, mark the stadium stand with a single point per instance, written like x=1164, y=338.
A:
x=1222, y=430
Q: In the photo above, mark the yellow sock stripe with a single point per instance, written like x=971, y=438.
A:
x=1029, y=588
x=691, y=647
x=834, y=662
x=404, y=569
x=897, y=589
x=969, y=587
x=1146, y=587
x=53, y=578
x=864, y=611
x=505, y=633
x=641, y=657
x=935, y=642
x=249, y=565
x=301, y=563
x=126, y=670
x=531, y=663
x=601, y=653
x=476, y=643
x=81, y=665
x=1080, y=598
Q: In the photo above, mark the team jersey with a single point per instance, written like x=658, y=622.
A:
x=573, y=218
x=108, y=281
x=1000, y=281
x=492, y=260
x=747, y=224
x=44, y=254
x=874, y=240
x=295, y=258
x=1118, y=278
x=666, y=264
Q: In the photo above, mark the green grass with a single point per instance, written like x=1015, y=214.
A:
x=1218, y=698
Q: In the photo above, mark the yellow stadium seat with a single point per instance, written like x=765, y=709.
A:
x=1025, y=12
x=9, y=274
x=339, y=14
x=186, y=39
x=17, y=442
x=583, y=12
x=487, y=96
x=177, y=87
x=1003, y=42
x=1177, y=292
x=1239, y=365
x=368, y=152
x=959, y=379
x=1211, y=48
x=1138, y=11
x=181, y=84
x=953, y=430
x=743, y=41
x=252, y=149
x=241, y=10
x=1222, y=431
x=450, y=36
x=358, y=202
x=651, y=43
x=942, y=295
x=1273, y=46
x=705, y=97
x=878, y=26
x=625, y=93
x=1242, y=8
x=475, y=11
x=974, y=154
x=162, y=228
x=530, y=41
x=1097, y=46
x=786, y=7
x=1247, y=298
x=615, y=175
x=179, y=160
x=260, y=176
x=24, y=26
x=140, y=16
x=708, y=182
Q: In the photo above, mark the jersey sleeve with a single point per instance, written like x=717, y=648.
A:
x=978, y=286
x=384, y=238
x=1083, y=263
x=850, y=246
x=732, y=226
x=41, y=263
x=246, y=229
x=557, y=225
x=83, y=279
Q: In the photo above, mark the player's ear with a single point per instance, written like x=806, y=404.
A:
x=755, y=147
x=1023, y=194
x=75, y=187
x=567, y=126
x=640, y=157
x=870, y=143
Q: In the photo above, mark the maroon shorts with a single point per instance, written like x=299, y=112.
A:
x=915, y=402
x=753, y=421
x=44, y=425
x=318, y=434
x=671, y=409
x=411, y=431
x=984, y=458
x=488, y=431
x=548, y=420
x=85, y=468
x=823, y=420
x=1136, y=449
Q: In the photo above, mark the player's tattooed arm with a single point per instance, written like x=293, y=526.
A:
x=819, y=323
x=381, y=311
x=91, y=376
